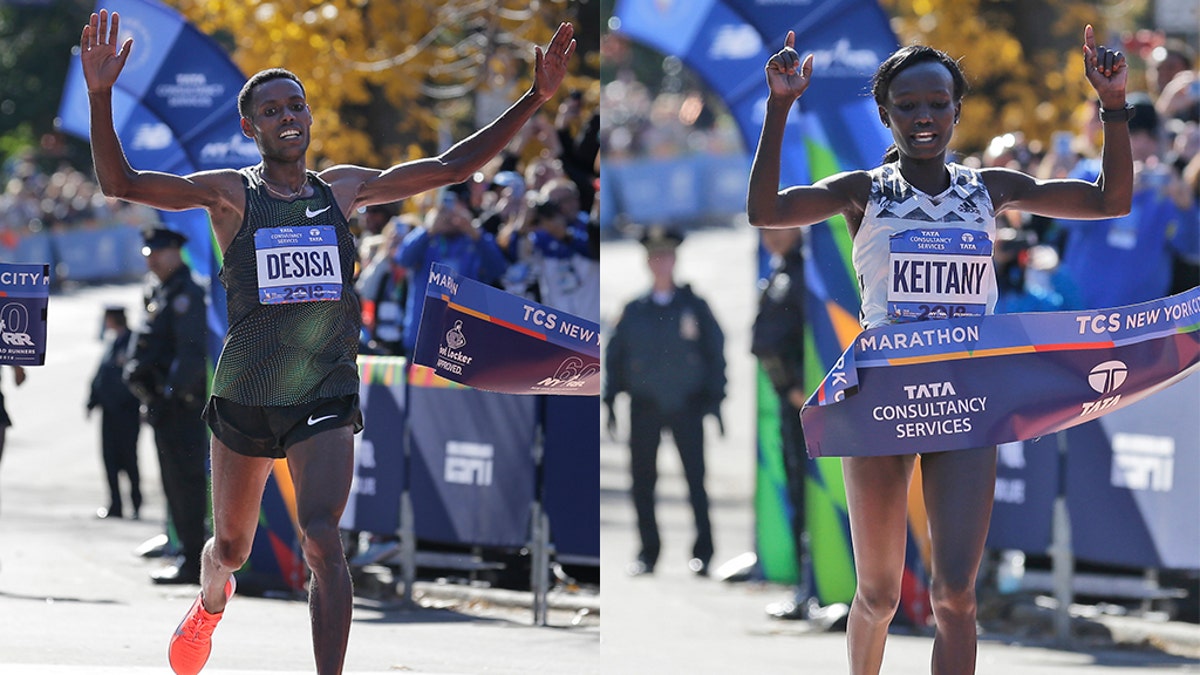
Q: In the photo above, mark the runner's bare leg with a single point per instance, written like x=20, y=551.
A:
x=237, y=489
x=321, y=468
x=959, y=489
x=877, y=498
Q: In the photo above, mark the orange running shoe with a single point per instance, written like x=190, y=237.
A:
x=192, y=641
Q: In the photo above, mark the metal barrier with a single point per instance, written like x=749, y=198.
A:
x=443, y=463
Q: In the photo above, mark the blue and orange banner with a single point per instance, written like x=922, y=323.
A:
x=480, y=336
x=24, y=297
x=976, y=381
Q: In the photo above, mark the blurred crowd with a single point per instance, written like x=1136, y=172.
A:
x=35, y=199
x=1050, y=264
x=530, y=227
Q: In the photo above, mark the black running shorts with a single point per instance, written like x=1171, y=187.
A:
x=268, y=431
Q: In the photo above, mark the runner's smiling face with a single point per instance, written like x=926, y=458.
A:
x=920, y=109
x=280, y=120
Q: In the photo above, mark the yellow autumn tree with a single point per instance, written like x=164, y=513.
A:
x=1023, y=59
x=389, y=81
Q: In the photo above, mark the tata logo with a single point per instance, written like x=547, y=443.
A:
x=469, y=463
x=1105, y=379
x=1141, y=462
x=1108, y=376
x=930, y=390
x=968, y=237
x=735, y=42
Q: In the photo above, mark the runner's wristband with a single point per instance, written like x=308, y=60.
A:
x=1116, y=115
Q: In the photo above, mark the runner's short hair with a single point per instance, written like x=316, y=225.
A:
x=262, y=77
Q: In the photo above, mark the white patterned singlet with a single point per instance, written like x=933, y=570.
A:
x=920, y=256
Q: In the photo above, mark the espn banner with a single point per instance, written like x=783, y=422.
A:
x=482, y=337
x=24, y=296
x=977, y=381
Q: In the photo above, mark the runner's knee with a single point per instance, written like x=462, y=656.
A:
x=322, y=543
x=953, y=597
x=879, y=605
x=231, y=552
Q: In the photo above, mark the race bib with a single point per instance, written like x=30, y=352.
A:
x=298, y=264
x=939, y=274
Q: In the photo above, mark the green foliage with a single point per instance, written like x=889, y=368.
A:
x=389, y=80
x=1023, y=60
x=35, y=51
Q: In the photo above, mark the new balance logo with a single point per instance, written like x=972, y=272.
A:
x=310, y=213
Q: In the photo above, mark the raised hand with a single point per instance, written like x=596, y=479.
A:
x=1106, y=70
x=550, y=67
x=787, y=77
x=98, y=51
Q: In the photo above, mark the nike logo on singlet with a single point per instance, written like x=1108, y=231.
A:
x=312, y=421
x=310, y=213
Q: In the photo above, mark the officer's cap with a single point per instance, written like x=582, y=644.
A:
x=661, y=239
x=160, y=237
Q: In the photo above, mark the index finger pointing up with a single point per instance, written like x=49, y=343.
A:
x=790, y=40
x=1089, y=37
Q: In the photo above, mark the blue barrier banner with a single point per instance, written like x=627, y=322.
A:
x=24, y=297
x=976, y=381
x=380, y=469
x=1027, y=480
x=472, y=469
x=1131, y=478
x=482, y=337
x=570, y=474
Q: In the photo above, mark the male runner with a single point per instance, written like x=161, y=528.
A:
x=286, y=383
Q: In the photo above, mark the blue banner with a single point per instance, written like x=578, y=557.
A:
x=570, y=475
x=175, y=103
x=976, y=381
x=1131, y=477
x=471, y=475
x=24, y=297
x=380, y=469
x=482, y=337
x=1027, y=482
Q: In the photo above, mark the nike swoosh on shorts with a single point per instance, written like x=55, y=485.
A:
x=318, y=420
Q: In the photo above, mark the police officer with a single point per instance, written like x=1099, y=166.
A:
x=778, y=342
x=168, y=372
x=667, y=353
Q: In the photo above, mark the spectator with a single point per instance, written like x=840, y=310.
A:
x=1166, y=61
x=449, y=237
x=120, y=418
x=382, y=289
x=567, y=278
x=578, y=148
x=1127, y=259
x=778, y=342
x=5, y=422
